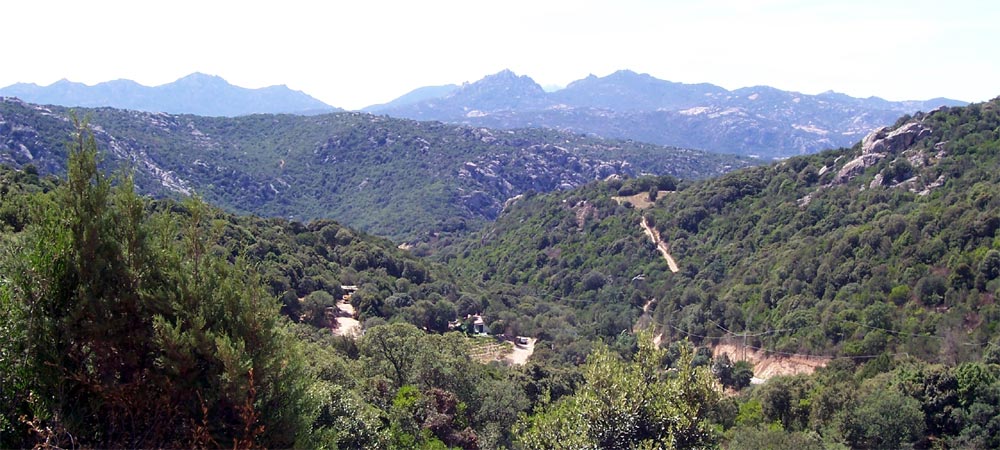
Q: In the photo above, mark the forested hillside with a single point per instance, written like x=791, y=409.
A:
x=889, y=246
x=395, y=178
x=885, y=257
x=134, y=323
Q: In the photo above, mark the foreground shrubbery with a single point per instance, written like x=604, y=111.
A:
x=122, y=329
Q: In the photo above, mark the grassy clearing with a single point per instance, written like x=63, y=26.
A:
x=640, y=200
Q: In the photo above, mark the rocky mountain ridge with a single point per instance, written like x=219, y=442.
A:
x=756, y=121
x=197, y=93
x=397, y=178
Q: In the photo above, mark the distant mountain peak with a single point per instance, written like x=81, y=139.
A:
x=63, y=82
x=760, y=120
x=197, y=93
x=200, y=76
x=627, y=73
x=202, y=79
x=502, y=90
x=505, y=73
x=507, y=76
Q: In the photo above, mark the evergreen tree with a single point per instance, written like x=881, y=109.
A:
x=126, y=332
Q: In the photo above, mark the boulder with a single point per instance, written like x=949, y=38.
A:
x=884, y=141
x=879, y=144
x=856, y=166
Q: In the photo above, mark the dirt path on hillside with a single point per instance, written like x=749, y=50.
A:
x=664, y=249
x=347, y=325
x=766, y=366
x=645, y=319
x=521, y=353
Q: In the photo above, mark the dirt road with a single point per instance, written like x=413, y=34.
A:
x=664, y=249
x=521, y=353
x=347, y=325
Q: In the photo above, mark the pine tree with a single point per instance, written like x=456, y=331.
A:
x=125, y=331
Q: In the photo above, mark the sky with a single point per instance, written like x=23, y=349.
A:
x=355, y=53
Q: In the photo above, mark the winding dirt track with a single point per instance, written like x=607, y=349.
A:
x=664, y=249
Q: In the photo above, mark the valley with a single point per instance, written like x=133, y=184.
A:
x=837, y=283
x=398, y=225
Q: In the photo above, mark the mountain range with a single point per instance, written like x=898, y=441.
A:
x=398, y=178
x=198, y=93
x=756, y=121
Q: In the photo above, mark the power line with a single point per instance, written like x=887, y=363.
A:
x=904, y=333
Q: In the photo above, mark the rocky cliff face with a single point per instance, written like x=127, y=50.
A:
x=898, y=153
x=880, y=144
x=538, y=168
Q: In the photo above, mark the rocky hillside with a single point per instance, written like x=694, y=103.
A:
x=200, y=94
x=396, y=178
x=760, y=121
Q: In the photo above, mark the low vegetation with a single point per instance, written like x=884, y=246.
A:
x=130, y=322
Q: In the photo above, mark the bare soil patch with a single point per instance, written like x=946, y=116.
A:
x=766, y=366
x=521, y=353
x=346, y=324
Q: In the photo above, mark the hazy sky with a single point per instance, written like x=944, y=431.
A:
x=355, y=53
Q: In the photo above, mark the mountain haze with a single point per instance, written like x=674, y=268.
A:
x=760, y=121
x=415, y=96
x=200, y=94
